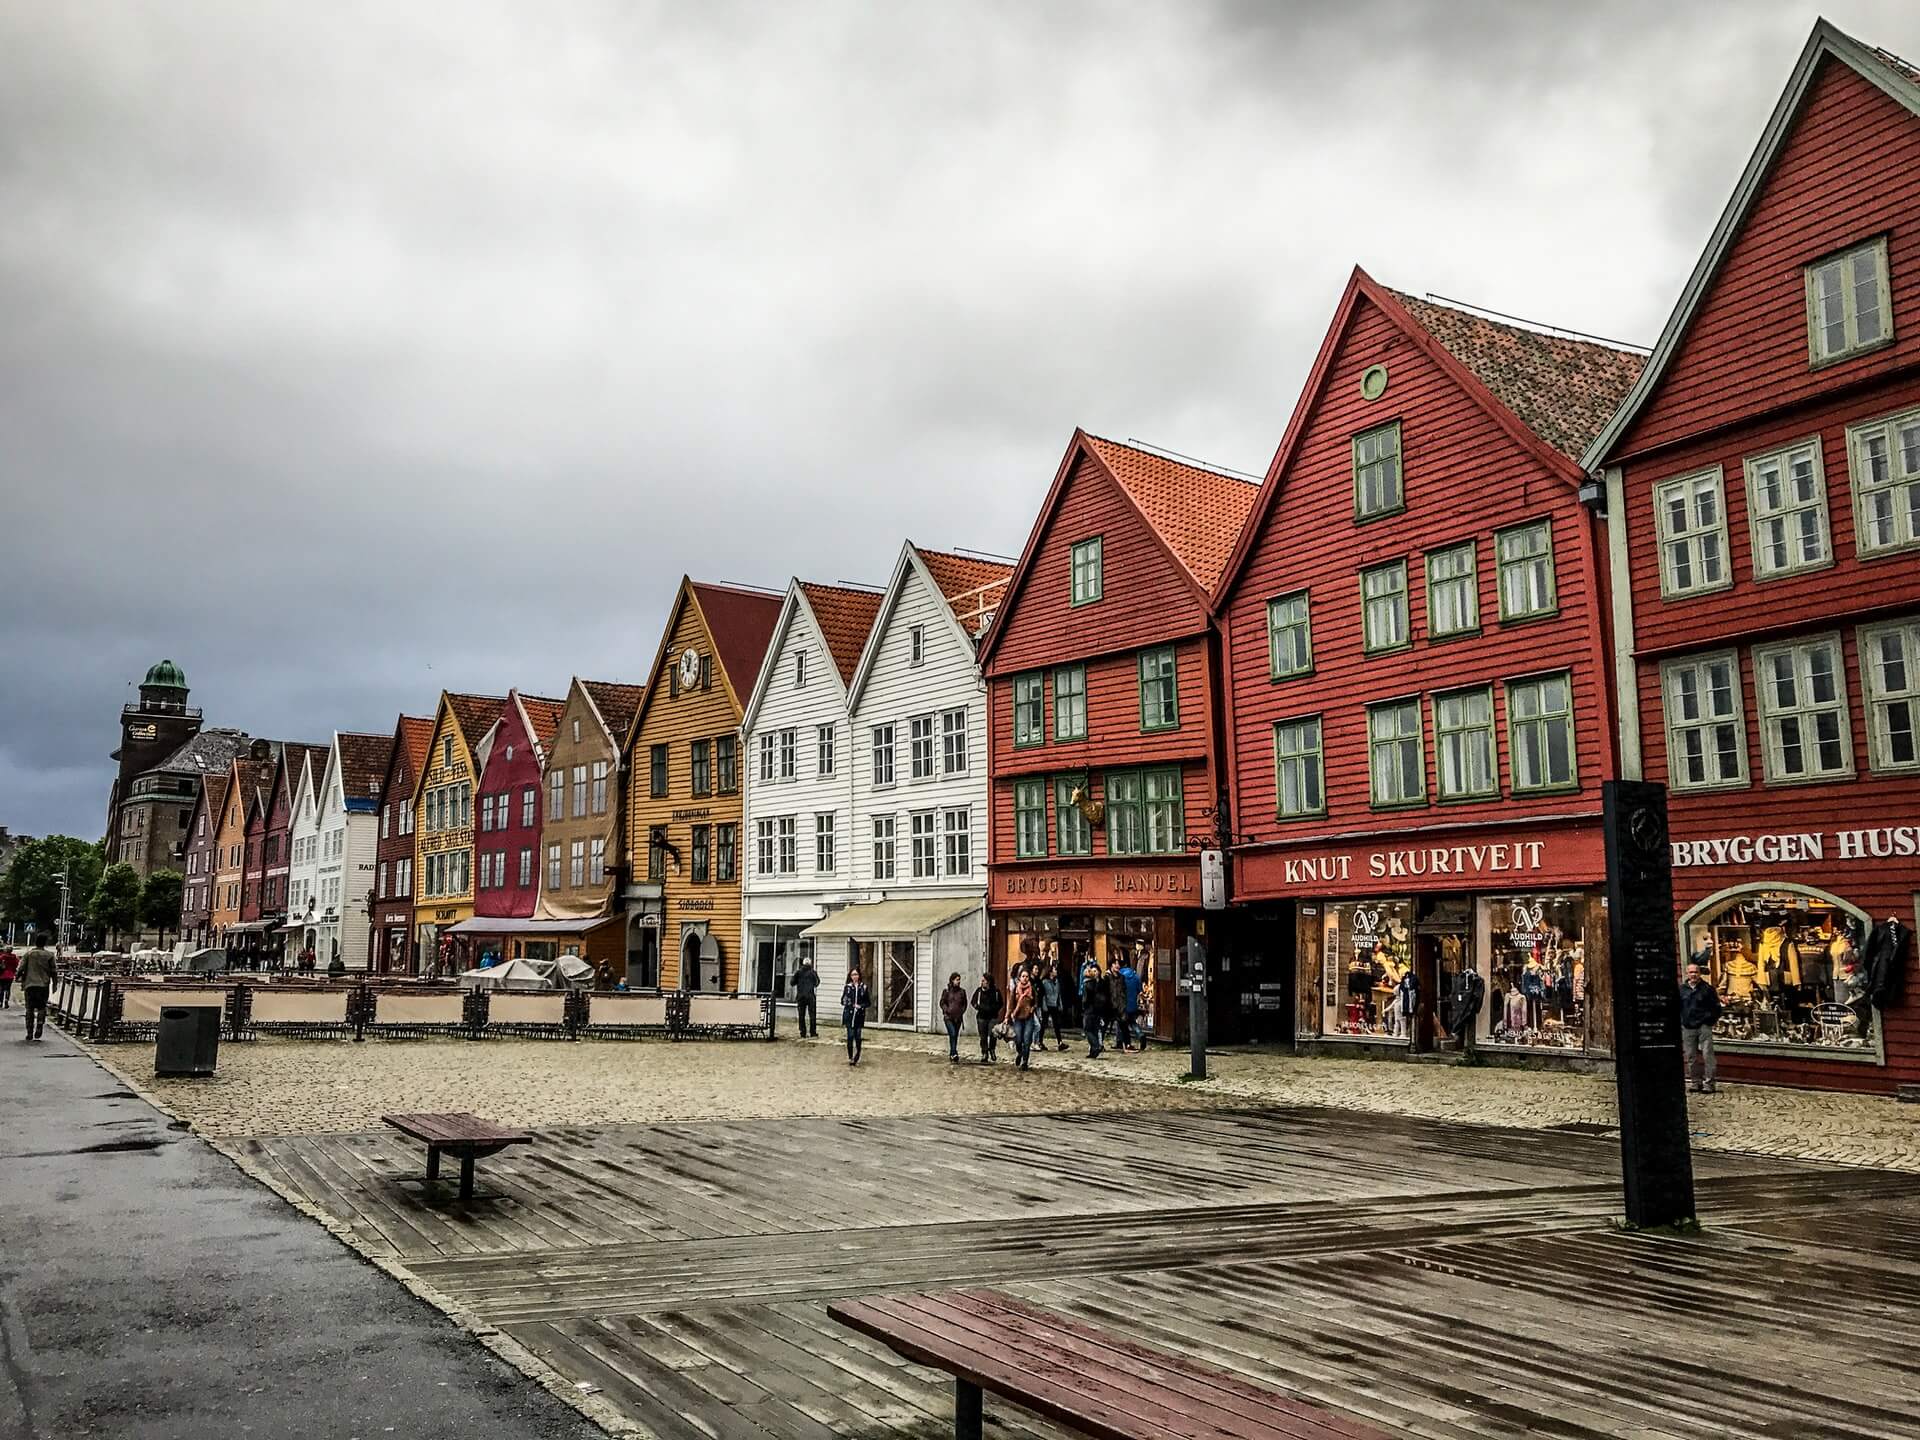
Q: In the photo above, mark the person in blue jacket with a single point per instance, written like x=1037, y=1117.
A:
x=1130, y=1022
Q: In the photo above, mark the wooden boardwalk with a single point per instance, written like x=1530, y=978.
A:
x=1436, y=1280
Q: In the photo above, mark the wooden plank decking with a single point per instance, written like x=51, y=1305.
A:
x=1434, y=1280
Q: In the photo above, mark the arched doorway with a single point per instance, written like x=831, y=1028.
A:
x=1785, y=961
x=701, y=962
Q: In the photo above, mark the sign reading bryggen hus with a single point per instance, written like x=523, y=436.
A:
x=1108, y=885
x=1524, y=855
x=1874, y=842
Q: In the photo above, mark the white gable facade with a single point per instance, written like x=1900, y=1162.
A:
x=796, y=835
x=338, y=840
x=918, y=714
x=303, y=869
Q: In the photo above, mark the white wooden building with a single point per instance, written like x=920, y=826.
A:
x=336, y=831
x=917, y=710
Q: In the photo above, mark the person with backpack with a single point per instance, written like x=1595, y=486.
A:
x=1130, y=983
x=953, y=1009
x=1092, y=1000
x=987, y=1004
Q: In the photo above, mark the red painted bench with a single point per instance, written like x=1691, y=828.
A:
x=1079, y=1376
x=465, y=1137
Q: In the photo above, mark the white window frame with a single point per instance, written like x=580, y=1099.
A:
x=1903, y=480
x=763, y=851
x=1679, y=725
x=921, y=761
x=956, y=842
x=916, y=645
x=1787, y=512
x=923, y=826
x=596, y=860
x=823, y=756
x=1878, y=698
x=768, y=757
x=885, y=839
x=953, y=741
x=789, y=752
x=1692, y=536
x=787, y=833
x=1848, y=261
x=800, y=670
x=883, y=757
x=577, y=864
x=1772, y=747
x=823, y=842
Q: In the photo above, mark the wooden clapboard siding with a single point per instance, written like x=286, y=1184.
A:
x=230, y=847
x=1740, y=384
x=1849, y=171
x=1146, y=599
x=393, y=901
x=1466, y=476
x=441, y=769
x=513, y=768
x=596, y=746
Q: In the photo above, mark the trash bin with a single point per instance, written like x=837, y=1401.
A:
x=189, y=1040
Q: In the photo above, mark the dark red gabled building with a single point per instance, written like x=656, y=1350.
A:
x=1419, y=681
x=1105, y=737
x=507, y=814
x=247, y=941
x=1763, y=497
x=393, y=853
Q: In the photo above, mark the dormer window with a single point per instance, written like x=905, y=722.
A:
x=1848, y=309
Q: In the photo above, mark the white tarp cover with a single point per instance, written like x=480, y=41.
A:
x=509, y=975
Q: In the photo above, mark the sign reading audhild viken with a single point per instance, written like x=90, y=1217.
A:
x=1867, y=843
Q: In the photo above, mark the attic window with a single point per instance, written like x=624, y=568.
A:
x=1847, y=303
x=800, y=671
x=1376, y=472
x=509, y=752
x=576, y=732
x=916, y=644
x=1088, y=581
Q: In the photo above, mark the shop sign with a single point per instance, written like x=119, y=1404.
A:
x=1780, y=847
x=1040, y=885
x=1467, y=861
x=1090, y=884
x=142, y=732
x=1213, y=879
x=693, y=812
x=698, y=903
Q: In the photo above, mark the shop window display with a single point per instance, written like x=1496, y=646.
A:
x=1536, y=971
x=1788, y=970
x=1367, y=950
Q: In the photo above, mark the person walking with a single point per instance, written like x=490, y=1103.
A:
x=1130, y=981
x=1050, y=1006
x=9, y=967
x=39, y=972
x=806, y=989
x=1699, y=1009
x=1116, y=1009
x=1022, y=1012
x=953, y=1009
x=853, y=1012
x=987, y=1002
x=1092, y=998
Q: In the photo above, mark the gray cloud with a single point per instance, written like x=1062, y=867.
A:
x=349, y=346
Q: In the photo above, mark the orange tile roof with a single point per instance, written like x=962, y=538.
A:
x=543, y=718
x=741, y=623
x=1197, y=512
x=1564, y=390
x=973, y=587
x=473, y=714
x=617, y=704
x=845, y=617
x=416, y=732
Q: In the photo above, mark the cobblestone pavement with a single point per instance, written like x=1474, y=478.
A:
x=1756, y=1119
x=303, y=1087
x=310, y=1087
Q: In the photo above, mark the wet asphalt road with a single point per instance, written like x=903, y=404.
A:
x=150, y=1291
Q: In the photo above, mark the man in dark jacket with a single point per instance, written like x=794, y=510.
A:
x=806, y=984
x=39, y=973
x=1699, y=1009
x=987, y=1003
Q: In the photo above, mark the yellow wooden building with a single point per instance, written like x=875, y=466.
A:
x=685, y=769
x=443, y=828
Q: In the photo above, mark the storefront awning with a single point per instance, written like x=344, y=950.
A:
x=487, y=925
x=249, y=927
x=886, y=919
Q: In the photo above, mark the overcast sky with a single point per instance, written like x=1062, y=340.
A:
x=352, y=352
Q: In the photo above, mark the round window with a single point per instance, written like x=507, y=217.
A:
x=1373, y=382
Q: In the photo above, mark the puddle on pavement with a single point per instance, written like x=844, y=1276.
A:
x=108, y=1147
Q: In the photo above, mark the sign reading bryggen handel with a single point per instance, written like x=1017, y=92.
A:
x=1874, y=843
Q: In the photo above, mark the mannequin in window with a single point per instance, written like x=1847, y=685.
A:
x=1884, y=960
x=1406, y=1003
x=1817, y=953
x=1779, y=959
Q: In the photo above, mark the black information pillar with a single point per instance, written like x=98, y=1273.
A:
x=1656, y=1162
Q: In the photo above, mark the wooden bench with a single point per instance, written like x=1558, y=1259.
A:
x=1090, y=1380
x=466, y=1137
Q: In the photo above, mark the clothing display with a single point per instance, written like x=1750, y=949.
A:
x=1537, y=969
x=1790, y=969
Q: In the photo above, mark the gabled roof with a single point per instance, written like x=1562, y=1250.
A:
x=1495, y=353
x=363, y=764
x=615, y=704
x=297, y=760
x=974, y=587
x=415, y=734
x=474, y=714
x=1560, y=388
x=1196, y=511
x=1195, y=515
x=845, y=617
x=741, y=623
x=541, y=715
x=213, y=796
x=1880, y=68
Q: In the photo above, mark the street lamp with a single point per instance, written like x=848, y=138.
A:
x=66, y=890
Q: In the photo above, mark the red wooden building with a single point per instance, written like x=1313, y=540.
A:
x=1105, y=742
x=1763, y=492
x=1417, y=666
x=507, y=813
x=393, y=853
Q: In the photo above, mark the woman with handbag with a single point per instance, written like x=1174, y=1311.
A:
x=1022, y=1014
x=854, y=1000
x=987, y=1003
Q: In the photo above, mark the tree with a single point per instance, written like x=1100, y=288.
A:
x=160, y=900
x=30, y=890
x=115, y=908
